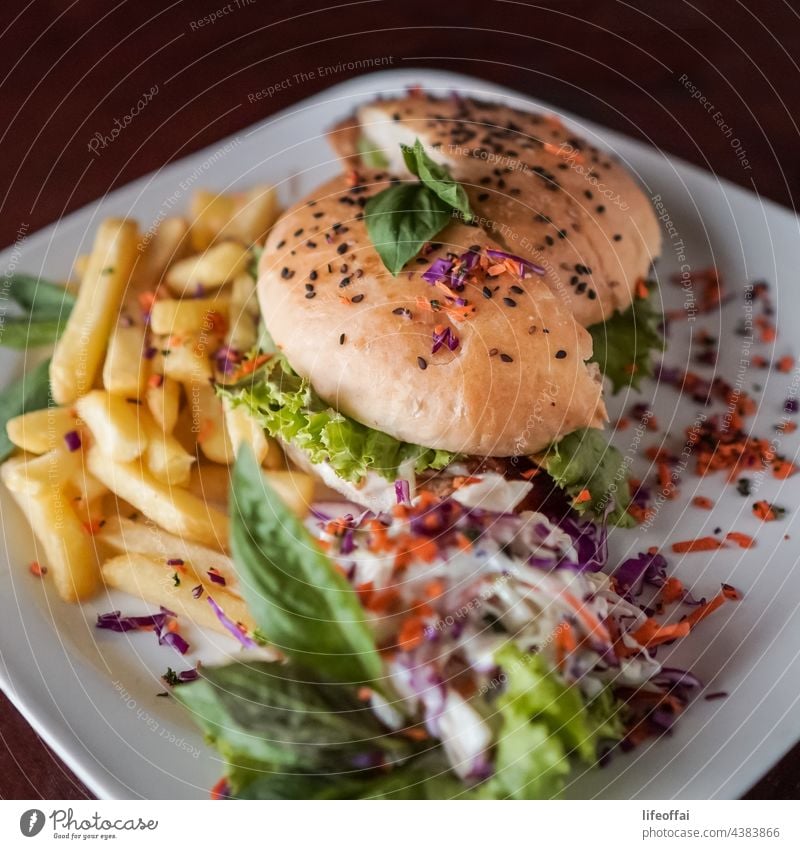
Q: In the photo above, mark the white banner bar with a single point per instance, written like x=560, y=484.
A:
x=399, y=825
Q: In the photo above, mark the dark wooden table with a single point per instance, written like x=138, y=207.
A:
x=70, y=70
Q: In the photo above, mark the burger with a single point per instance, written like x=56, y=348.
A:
x=439, y=316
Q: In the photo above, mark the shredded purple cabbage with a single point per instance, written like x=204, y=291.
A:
x=402, y=492
x=73, y=440
x=115, y=621
x=446, y=337
x=524, y=264
x=231, y=626
x=216, y=578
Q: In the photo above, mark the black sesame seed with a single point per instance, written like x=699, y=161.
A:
x=357, y=299
x=588, y=194
x=601, y=209
x=550, y=240
x=345, y=281
x=560, y=355
x=617, y=237
x=342, y=248
x=506, y=359
x=343, y=268
x=309, y=287
x=310, y=244
x=487, y=292
x=422, y=363
x=483, y=196
x=591, y=294
x=341, y=339
x=298, y=232
x=493, y=352
x=281, y=243
x=287, y=273
x=312, y=275
x=318, y=214
x=580, y=288
x=509, y=302
x=311, y=295
x=517, y=290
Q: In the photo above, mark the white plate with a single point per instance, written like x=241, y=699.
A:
x=92, y=694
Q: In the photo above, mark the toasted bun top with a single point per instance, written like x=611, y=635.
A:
x=516, y=381
x=538, y=189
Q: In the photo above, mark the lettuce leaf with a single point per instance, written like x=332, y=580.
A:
x=623, y=344
x=585, y=460
x=546, y=727
x=288, y=408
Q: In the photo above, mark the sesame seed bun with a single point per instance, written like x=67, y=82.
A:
x=517, y=379
x=537, y=188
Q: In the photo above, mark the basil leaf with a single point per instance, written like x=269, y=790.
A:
x=22, y=333
x=39, y=298
x=371, y=154
x=276, y=717
x=301, y=604
x=401, y=219
x=436, y=177
x=30, y=392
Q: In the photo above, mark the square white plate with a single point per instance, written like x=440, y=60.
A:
x=92, y=694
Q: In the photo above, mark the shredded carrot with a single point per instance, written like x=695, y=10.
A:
x=742, y=540
x=93, y=527
x=155, y=380
x=411, y=634
x=653, y=634
x=672, y=590
x=698, y=614
x=434, y=589
x=219, y=790
x=702, y=502
x=206, y=429
x=417, y=733
x=364, y=694
x=701, y=544
x=785, y=364
x=565, y=642
x=765, y=511
x=641, y=290
x=37, y=569
x=583, y=496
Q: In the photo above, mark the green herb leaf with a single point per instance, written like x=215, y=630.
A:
x=30, y=392
x=584, y=459
x=401, y=219
x=278, y=718
x=371, y=154
x=546, y=726
x=287, y=407
x=39, y=298
x=300, y=603
x=436, y=177
x=23, y=333
x=623, y=345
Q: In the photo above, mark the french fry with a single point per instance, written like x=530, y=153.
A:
x=210, y=212
x=173, y=509
x=68, y=547
x=195, y=316
x=87, y=495
x=123, y=535
x=256, y=212
x=169, y=244
x=148, y=579
x=242, y=427
x=295, y=488
x=166, y=458
x=211, y=482
x=163, y=401
x=242, y=314
x=125, y=370
x=208, y=423
x=188, y=363
x=210, y=270
x=41, y=430
x=80, y=349
x=114, y=424
x=37, y=475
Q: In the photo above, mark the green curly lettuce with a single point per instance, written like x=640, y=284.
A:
x=624, y=344
x=286, y=406
x=546, y=728
x=585, y=462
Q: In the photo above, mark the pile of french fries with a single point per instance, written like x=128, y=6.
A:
x=125, y=482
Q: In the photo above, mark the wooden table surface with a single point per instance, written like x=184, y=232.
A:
x=70, y=70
